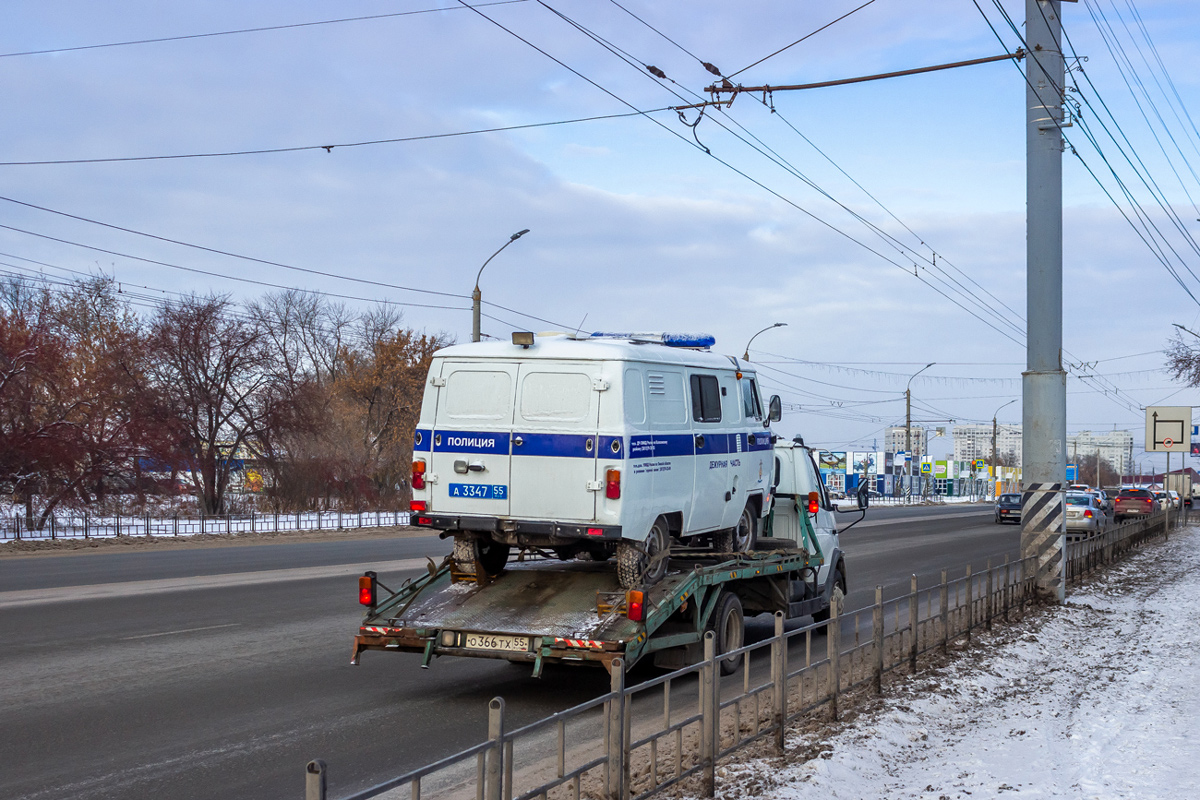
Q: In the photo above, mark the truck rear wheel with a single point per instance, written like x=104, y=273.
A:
x=645, y=563
x=729, y=626
x=839, y=585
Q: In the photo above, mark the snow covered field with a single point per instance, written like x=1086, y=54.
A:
x=1099, y=698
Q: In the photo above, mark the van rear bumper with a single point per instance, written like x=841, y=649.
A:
x=542, y=531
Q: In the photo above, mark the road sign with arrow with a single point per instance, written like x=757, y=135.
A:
x=1167, y=429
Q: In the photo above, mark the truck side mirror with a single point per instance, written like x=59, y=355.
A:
x=864, y=496
x=776, y=409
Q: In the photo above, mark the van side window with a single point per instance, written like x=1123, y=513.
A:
x=706, y=399
x=750, y=405
x=664, y=398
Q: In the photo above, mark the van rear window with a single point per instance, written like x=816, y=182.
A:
x=555, y=396
x=479, y=394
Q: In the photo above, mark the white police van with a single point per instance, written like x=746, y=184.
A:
x=591, y=446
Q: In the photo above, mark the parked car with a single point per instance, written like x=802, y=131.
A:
x=1084, y=515
x=1133, y=503
x=1008, y=508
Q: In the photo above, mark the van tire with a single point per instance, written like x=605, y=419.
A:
x=743, y=538
x=645, y=563
x=490, y=557
x=728, y=625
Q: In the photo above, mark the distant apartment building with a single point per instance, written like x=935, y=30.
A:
x=975, y=441
x=1114, y=447
x=894, y=441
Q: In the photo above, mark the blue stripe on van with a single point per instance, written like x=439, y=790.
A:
x=606, y=447
x=561, y=445
x=760, y=441
x=661, y=445
x=422, y=440
x=471, y=442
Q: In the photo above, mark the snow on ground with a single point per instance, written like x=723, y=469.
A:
x=1099, y=698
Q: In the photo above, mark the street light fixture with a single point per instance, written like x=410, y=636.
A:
x=477, y=296
x=908, y=423
x=995, y=431
x=746, y=355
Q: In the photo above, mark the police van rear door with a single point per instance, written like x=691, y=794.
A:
x=471, y=438
x=555, y=442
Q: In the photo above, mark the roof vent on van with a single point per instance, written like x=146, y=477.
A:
x=701, y=341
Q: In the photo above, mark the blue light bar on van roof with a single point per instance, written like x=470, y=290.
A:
x=700, y=340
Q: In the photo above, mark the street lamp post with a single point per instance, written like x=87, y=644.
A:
x=477, y=296
x=995, y=431
x=746, y=355
x=908, y=424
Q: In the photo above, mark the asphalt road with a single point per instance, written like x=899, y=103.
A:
x=219, y=672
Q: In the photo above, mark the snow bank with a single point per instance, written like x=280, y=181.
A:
x=1098, y=699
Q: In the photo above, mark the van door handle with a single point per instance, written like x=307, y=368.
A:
x=700, y=441
x=518, y=440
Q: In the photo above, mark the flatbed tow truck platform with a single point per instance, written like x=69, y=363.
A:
x=543, y=611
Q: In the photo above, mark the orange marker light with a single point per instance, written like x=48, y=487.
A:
x=814, y=502
x=634, y=608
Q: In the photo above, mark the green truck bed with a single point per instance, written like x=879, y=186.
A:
x=550, y=611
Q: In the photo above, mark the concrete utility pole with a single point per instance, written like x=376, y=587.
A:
x=1044, y=382
x=477, y=296
x=908, y=425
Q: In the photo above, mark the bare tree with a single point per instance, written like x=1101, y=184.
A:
x=1183, y=360
x=210, y=365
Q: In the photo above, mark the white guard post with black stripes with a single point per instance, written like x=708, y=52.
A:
x=1043, y=529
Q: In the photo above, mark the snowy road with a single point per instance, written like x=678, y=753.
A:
x=1097, y=699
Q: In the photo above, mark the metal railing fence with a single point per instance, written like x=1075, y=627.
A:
x=86, y=526
x=639, y=740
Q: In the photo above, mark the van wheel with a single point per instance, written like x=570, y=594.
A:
x=729, y=626
x=741, y=539
x=490, y=557
x=645, y=563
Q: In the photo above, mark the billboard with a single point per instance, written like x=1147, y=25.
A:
x=831, y=461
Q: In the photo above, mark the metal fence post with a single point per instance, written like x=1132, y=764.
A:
x=914, y=613
x=614, y=776
x=85, y=524
x=495, y=755
x=708, y=726
x=988, y=594
x=970, y=603
x=252, y=526
x=314, y=780
x=780, y=681
x=877, y=630
x=944, y=591
x=833, y=646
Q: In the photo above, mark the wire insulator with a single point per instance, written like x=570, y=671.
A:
x=656, y=72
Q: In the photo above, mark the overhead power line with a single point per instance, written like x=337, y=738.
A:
x=245, y=30
x=328, y=148
x=801, y=39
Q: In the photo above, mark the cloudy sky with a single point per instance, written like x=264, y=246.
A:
x=826, y=214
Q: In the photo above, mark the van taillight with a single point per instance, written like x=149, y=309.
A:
x=366, y=589
x=417, y=505
x=418, y=476
x=612, y=484
x=634, y=606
